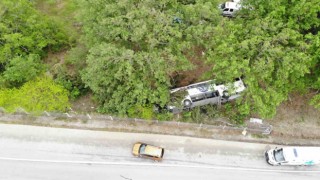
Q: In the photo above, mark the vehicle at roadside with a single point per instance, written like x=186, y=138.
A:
x=229, y=9
x=293, y=156
x=203, y=93
x=147, y=151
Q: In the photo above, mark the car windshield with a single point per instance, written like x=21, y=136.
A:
x=142, y=148
x=278, y=155
x=223, y=5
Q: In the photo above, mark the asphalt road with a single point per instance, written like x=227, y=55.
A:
x=42, y=153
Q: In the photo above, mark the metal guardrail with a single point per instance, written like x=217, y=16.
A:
x=253, y=127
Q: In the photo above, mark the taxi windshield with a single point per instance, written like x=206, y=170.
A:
x=142, y=148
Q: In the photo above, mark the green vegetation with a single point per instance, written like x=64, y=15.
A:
x=63, y=13
x=136, y=46
x=38, y=95
x=22, y=69
x=130, y=53
x=270, y=49
x=25, y=31
x=26, y=36
x=66, y=73
x=264, y=43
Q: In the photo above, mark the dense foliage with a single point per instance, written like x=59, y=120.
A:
x=136, y=50
x=25, y=37
x=271, y=45
x=38, y=95
x=137, y=45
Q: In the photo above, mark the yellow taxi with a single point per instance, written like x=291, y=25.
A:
x=147, y=151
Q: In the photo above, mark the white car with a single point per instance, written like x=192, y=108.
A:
x=229, y=8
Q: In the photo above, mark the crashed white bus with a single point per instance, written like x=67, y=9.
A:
x=207, y=92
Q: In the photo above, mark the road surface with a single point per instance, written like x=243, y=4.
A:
x=43, y=153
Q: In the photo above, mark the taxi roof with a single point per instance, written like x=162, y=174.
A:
x=153, y=151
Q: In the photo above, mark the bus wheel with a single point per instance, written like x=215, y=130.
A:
x=187, y=103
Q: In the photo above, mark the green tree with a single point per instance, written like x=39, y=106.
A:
x=268, y=49
x=20, y=70
x=24, y=30
x=136, y=46
x=121, y=78
x=25, y=35
x=314, y=79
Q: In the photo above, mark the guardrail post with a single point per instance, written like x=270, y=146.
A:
x=46, y=113
x=68, y=114
x=21, y=110
x=244, y=132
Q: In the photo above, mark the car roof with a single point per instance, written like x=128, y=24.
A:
x=153, y=151
x=232, y=5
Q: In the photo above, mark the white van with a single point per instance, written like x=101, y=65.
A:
x=293, y=156
x=229, y=8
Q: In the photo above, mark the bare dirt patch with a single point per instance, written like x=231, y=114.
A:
x=55, y=58
x=296, y=118
x=84, y=104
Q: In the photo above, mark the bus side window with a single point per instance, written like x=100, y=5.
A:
x=198, y=98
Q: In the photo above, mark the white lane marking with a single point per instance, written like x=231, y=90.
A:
x=159, y=165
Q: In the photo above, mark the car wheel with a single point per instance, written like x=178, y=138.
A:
x=187, y=103
x=225, y=94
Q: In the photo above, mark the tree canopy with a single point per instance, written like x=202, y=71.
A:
x=271, y=45
x=137, y=50
x=137, y=46
x=25, y=37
